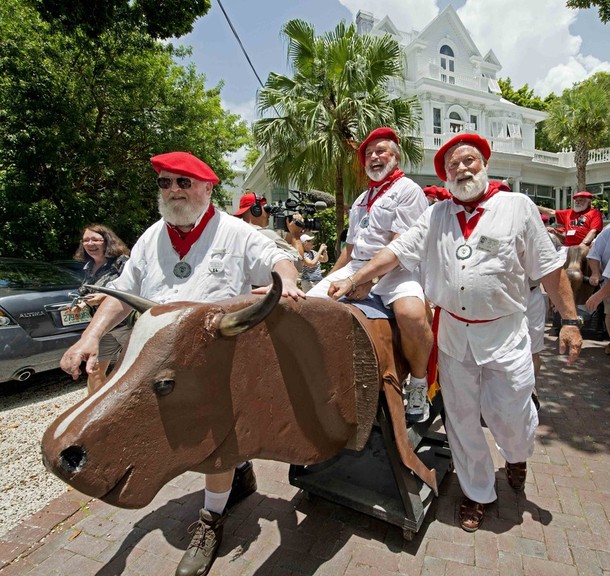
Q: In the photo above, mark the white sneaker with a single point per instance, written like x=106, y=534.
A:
x=416, y=400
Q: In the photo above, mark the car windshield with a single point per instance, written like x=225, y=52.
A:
x=34, y=276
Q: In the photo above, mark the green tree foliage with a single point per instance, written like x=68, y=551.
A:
x=603, y=5
x=313, y=122
x=580, y=120
x=162, y=20
x=525, y=97
x=80, y=119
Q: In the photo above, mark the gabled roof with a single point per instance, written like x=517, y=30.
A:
x=448, y=19
x=386, y=25
x=490, y=57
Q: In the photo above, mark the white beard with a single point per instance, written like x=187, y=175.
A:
x=380, y=174
x=471, y=189
x=180, y=214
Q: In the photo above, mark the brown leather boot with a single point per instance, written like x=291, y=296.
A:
x=207, y=536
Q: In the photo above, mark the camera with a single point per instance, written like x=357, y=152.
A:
x=301, y=203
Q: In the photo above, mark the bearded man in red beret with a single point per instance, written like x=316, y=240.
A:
x=580, y=224
x=477, y=253
x=193, y=253
x=390, y=206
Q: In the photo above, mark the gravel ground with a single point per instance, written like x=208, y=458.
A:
x=26, y=410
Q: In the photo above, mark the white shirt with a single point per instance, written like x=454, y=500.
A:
x=600, y=250
x=228, y=258
x=393, y=213
x=508, y=245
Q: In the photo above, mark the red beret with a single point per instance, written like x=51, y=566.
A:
x=185, y=164
x=471, y=139
x=377, y=134
x=247, y=200
x=583, y=194
x=437, y=192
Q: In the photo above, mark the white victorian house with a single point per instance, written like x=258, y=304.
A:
x=458, y=90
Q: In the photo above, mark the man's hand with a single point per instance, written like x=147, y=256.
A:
x=593, y=302
x=85, y=350
x=340, y=288
x=570, y=339
x=94, y=299
x=595, y=279
x=289, y=289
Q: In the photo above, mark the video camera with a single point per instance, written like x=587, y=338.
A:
x=302, y=203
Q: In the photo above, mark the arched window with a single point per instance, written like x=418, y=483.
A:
x=456, y=123
x=447, y=64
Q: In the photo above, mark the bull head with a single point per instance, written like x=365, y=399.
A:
x=169, y=345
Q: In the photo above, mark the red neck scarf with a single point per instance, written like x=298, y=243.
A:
x=182, y=241
x=382, y=187
x=467, y=226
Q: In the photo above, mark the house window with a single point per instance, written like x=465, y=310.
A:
x=456, y=124
x=514, y=130
x=447, y=65
x=436, y=120
x=474, y=123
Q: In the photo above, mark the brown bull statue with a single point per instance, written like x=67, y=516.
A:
x=208, y=386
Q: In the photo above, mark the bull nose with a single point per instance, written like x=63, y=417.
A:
x=72, y=459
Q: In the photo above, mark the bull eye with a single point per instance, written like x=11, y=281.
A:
x=164, y=387
x=72, y=459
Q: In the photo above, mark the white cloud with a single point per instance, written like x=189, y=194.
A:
x=247, y=110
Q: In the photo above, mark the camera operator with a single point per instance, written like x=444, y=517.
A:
x=255, y=211
x=312, y=271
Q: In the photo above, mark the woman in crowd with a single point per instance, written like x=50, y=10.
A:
x=104, y=255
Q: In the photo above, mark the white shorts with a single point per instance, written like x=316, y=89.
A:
x=398, y=283
x=536, y=316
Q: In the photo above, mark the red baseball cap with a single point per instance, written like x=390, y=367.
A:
x=377, y=134
x=247, y=200
x=186, y=164
x=583, y=194
x=471, y=139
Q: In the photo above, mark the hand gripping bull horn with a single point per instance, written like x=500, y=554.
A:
x=234, y=323
x=136, y=302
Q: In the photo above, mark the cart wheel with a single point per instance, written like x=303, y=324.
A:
x=408, y=534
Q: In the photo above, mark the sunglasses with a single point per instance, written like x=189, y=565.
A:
x=165, y=183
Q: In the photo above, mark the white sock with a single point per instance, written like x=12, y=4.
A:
x=216, y=501
x=418, y=382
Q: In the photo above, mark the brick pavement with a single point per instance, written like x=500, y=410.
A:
x=559, y=526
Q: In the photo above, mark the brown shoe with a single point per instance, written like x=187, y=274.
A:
x=471, y=515
x=516, y=474
x=207, y=536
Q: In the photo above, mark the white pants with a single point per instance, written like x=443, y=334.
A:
x=398, y=283
x=500, y=391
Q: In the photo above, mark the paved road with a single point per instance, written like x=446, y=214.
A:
x=558, y=526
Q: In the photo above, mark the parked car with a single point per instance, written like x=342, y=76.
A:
x=37, y=324
x=74, y=266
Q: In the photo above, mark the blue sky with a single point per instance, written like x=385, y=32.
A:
x=541, y=43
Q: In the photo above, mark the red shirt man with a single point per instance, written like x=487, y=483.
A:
x=580, y=224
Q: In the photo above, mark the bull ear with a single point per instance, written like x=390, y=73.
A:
x=136, y=302
x=235, y=323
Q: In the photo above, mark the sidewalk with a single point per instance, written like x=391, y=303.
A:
x=559, y=526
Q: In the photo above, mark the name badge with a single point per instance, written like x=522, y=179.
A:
x=216, y=265
x=489, y=245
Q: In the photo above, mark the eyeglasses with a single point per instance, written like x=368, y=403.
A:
x=92, y=241
x=183, y=183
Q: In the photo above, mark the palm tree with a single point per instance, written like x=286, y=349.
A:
x=580, y=119
x=312, y=124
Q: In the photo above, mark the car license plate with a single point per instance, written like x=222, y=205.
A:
x=75, y=316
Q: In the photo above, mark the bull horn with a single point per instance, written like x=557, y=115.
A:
x=234, y=323
x=136, y=302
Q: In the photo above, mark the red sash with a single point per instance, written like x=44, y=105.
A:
x=382, y=187
x=182, y=241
